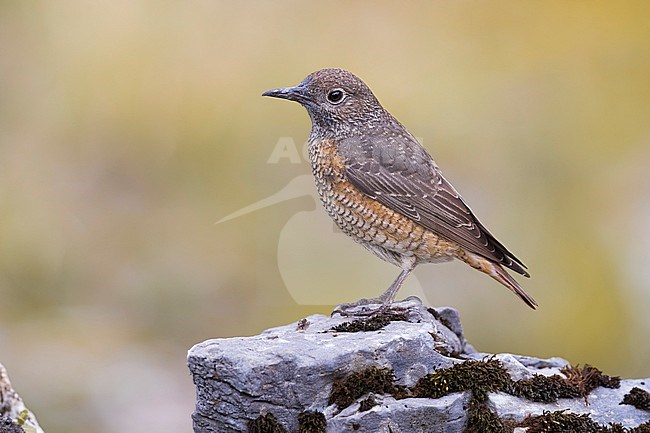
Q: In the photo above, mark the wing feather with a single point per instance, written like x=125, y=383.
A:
x=406, y=179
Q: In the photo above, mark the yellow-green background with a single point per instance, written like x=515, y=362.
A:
x=127, y=128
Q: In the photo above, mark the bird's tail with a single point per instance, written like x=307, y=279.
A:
x=498, y=273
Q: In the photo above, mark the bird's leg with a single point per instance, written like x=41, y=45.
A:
x=385, y=300
x=388, y=296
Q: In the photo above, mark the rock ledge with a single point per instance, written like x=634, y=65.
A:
x=408, y=370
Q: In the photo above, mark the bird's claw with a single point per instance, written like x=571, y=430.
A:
x=368, y=307
x=362, y=308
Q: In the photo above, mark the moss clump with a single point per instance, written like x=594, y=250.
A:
x=588, y=378
x=638, y=398
x=376, y=380
x=481, y=418
x=614, y=428
x=372, y=323
x=481, y=378
x=579, y=382
x=367, y=403
x=484, y=377
x=265, y=424
x=545, y=389
x=311, y=422
x=563, y=422
x=476, y=376
x=642, y=428
x=560, y=422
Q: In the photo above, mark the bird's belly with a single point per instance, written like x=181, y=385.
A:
x=387, y=233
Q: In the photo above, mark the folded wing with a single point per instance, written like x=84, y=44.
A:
x=404, y=177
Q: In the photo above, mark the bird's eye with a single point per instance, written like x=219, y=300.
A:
x=335, y=96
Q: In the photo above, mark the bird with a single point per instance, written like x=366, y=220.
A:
x=384, y=190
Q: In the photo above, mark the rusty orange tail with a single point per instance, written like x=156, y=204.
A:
x=498, y=273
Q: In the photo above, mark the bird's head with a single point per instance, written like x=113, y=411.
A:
x=337, y=101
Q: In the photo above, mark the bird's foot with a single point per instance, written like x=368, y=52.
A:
x=363, y=308
x=369, y=307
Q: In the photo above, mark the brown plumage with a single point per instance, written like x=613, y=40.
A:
x=383, y=189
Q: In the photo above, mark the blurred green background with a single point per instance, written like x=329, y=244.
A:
x=128, y=128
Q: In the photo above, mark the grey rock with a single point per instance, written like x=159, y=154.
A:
x=410, y=415
x=8, y=426
x=291, y=369
x=12, y=407
x=603, y=405
x=286, y=370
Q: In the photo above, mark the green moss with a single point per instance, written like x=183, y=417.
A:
x=376, y=380
x=545, y=389
x=481, y=378
x=638, y=398
x=643, y=428
x=477, y=376
x=484, y=377
x=614, y=428
x=265, y=424
x=579, y=382
x=481, y=418
x=560, y=422
x=367, y=404
x=311, y=422
x=372, y=323
x=563, y=422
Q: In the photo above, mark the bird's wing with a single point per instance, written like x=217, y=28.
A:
x=401, y=175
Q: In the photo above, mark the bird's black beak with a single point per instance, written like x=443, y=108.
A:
x=297, y=93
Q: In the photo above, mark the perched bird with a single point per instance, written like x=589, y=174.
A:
x=383, y=189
